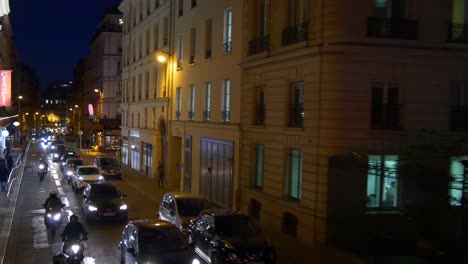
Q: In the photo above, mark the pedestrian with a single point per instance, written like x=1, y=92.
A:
x=161, y=176
x=3, y=174
x=9, y=163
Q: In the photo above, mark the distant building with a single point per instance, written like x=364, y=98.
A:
x=101, y=92
x=54, y=111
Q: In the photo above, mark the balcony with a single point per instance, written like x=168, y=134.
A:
x=296, y=115
x=191, y=115
x=383, y=27
x=227, y=47
x=457, y=33
x=459, y=118
x=206, y=115
x=260, y=115
x=226, y=116
x=296, y=33
x=386, y=117
x=259, y=45
x=178, y=115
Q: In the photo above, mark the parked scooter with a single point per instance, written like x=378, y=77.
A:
x=74, y=250
x=53, y=216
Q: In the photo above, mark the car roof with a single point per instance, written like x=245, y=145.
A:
x=182, y=195
x=151, y=223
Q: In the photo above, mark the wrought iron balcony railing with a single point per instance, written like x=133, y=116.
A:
x=206, y=115
x=386, y=117
x=296, y=33
x=226, y=116
x=459, y=118
x=228, y=47
x=178, y=115
x=296, y=115
x=259, y=45
x=260, y=115
x=191, y=115
x=384, y=27
x=458, y=33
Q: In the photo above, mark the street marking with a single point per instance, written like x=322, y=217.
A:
x=55, y=175
x=69, y=213
x=40, y=239
x=60, y=191
x=65, y=202
x=57, y=182
x=89, y=260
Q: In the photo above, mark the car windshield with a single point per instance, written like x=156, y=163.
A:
x=235, y=225
x=109, y=162
x=88, y=171
x=104, y=191
x=162, y=240
x=192, y=206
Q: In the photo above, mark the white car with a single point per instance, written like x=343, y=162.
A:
x=85, y=175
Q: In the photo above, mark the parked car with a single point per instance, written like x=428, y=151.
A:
x=53, y=143
x=179, y=208
x=224, y=236
x=85, y=175
x=108, y=166
x=70, y=168
x=58, y=152
x=65, y=156
x=104, y=200
x=154, y=241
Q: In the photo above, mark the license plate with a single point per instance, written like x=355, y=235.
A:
x=108, y=214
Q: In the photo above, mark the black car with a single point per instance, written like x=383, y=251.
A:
x=104, y=201
x=109, y=167
x=224, y=236
x=58, y=152
x=65, y=156
x=155, y=241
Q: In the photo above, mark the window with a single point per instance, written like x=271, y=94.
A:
x=155, y=37
x=179, y=102
x=155, y=82
x=258, y=174
x=457, y=178
x=289, y=224
x=382, y=181
x=193, y=36
x=207, y=113
x=140, y=87
x=294, y=180
x=181, y=7
x=192, y=103
x=147, y=41
x=165, y=31
x=119, y=67
x=133, y=89
x=296, y=104
x=260, y=106
x=140, y=47
x=208, y=38
x=226, y=100
x=255, y=208
x=385, y=109
x=147, y=87
x=298, y=12
x=193, y=3
x=148, y=7
x=260, y=42
x=390, y=8
x=459, y=106
x=156, y=4
x=228, y=31
x=145, y=118
x=179, y=51
x=458, y=27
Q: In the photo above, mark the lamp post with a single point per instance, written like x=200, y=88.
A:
x=19, y=111
x=163, y=59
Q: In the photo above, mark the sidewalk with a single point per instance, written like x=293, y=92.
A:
x=287, y=248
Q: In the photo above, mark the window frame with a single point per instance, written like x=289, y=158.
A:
x=227, y=32
x=259, y=166
x=377, y=203
x=294, y=177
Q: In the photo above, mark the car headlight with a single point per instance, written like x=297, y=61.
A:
x=123, y=207
x=92, y=208
x=41, y=166
x=49, y=215
x=75, y=248
x=57, y=216
x=69, y=173
x=55, y=155
x=53, y=147
x=195, y=261
x=100, y=177
x=80, y=178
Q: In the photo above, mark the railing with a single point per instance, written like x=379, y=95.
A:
x=226, y=116
x=383, y=27
x=178, y=115
x=260, y=115
x=386, y=117
x=191, y=115
x=227, y=46
x=206, y=115
x=259, y=45
x=459, y=118
x=296, y=33
x=457, y=33
x=296, y=115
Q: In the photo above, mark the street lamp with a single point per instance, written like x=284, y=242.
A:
x=19, y=109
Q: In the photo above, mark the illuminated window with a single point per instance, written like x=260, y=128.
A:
x=228, y=31
x=457, y=177
x=382, y=181
x=294, y=175
x=258, y=174
x=226, y=117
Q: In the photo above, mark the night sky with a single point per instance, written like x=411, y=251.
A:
x=52, y=35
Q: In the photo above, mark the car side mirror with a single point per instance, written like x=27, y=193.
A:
x=131, y=251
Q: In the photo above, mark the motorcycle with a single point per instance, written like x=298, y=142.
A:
x=42, y=171
x=74, y=250
x=53, y=216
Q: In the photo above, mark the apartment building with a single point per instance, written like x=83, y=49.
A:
x=102, y=92
x=145, y=102
x=335, y=95
x=206, y=95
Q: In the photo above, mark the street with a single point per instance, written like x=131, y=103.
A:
x=30, y=241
